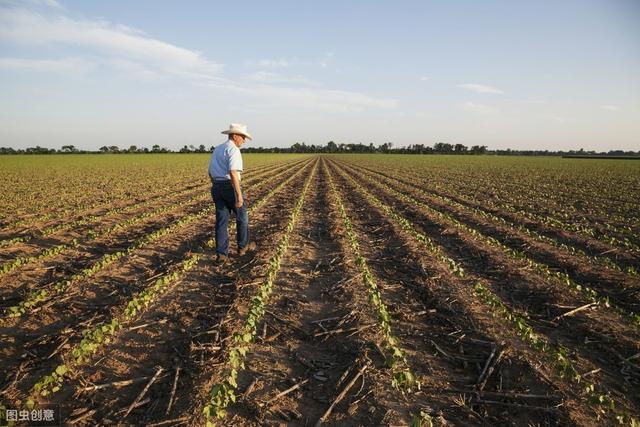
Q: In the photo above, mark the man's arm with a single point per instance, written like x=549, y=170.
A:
x=235, y=183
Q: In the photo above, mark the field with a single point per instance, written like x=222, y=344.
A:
x=385, y=290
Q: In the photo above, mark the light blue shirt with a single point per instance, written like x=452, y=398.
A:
x=225, y=157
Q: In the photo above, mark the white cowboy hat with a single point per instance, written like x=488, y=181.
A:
x=239, y=129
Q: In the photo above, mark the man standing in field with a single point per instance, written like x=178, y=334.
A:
x=225, y=170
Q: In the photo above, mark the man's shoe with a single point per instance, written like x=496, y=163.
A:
x=221, y=259
x=249, y=248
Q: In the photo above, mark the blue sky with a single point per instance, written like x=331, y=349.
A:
x=528, y=75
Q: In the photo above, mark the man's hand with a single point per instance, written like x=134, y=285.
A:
x=235, y=183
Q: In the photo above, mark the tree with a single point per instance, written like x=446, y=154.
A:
x=384, y=148
x=155, y=148
x=69, y=149
x=331, y=147
x=460, y=149
x=443, y=147
x=114, y=149
x=39, y=150
x=479, y=149
x=104, y=149
x=202, y=148
x=132, y=149
x=418, y=148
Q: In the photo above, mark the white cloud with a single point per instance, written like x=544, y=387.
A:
x=26, y=27
x=424, y=78
x=324, y=61
x=263, y=76
x=134, y=70
x=327, y=100
x=480, y=88
x=134, y=53
x=35, y=3
x=46, y=65
x=327, y=59
x=610, y=107
x=479, y=108
x=275, y=63
x=51, y=3
x=275, y=78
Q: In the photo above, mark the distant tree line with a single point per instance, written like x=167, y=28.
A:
x=330, y=147
x=71, y=149
x=387, y=147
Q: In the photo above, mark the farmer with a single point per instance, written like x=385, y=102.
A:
x=225, y=169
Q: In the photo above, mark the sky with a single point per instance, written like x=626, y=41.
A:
x=506, y=74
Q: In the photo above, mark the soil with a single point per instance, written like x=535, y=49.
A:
x=589, y=245
x=33, y=338
x=320, y=352
x=598, y=338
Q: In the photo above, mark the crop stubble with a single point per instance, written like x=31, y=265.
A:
x=474, y=368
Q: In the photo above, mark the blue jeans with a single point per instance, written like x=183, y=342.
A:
x=225, y=199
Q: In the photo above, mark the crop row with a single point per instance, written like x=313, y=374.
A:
x=123, y=225
x=600, y=260
x=571, y=196
x=149, y=198
x=403, y=377
x=564, y=214
x=69, y=185
x=92, y=234
x=65, y=185
x=157, y=198
x=88, y=219
x=587, y=230
x=34, y=298
x=223, y=393
x=551, y=221
x=558, y=356
x=103, y=333
x=559, y=277
x=60, y=213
